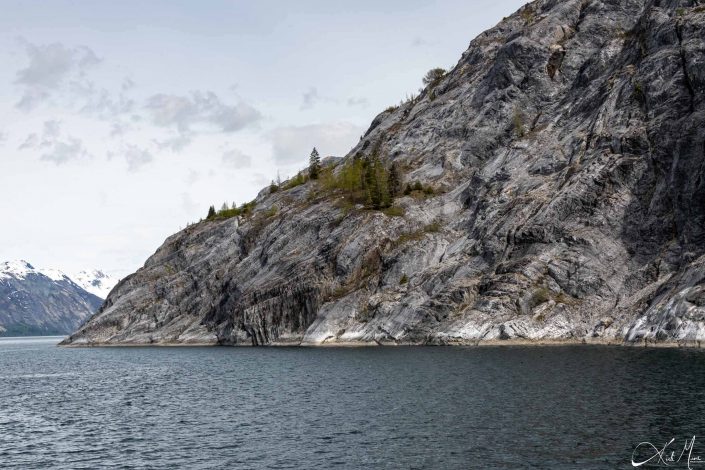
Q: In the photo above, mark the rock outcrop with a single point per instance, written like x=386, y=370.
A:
x=566, y=150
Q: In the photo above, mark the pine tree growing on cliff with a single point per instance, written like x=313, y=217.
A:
x=211, y=212
x=376, y=183
x=394, y=181
x=314, y=164
x=433, y=77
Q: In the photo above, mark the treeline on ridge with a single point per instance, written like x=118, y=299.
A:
x=362, y=180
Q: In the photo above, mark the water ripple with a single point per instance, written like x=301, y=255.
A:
x=167, y=408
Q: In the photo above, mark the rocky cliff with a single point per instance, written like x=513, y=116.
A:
x=566, y=154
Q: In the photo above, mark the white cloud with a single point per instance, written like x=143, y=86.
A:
x=193, y=177
x=260, y=179
x=64, y=151
x=32, y=141
x=118, y=128
x=136, y=157
x=104, y=104
x=175, y=143
x=189, y=207
x=421, y=42
x=55, y=147
x=127, y=84
x=52, y=129
x=49, y=68
x=310, y=98
x=358, y=101
x=236, y=159
x=293, y=144
x=204, y=108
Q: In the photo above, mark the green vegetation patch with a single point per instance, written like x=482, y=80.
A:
x=416, y=235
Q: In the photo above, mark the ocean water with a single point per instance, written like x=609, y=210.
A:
x=445, y=408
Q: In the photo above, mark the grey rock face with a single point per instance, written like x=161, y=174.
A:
x=568, y=148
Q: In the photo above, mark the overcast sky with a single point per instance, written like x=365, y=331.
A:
x=122, y=121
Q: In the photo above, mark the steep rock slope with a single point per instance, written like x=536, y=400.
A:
x=41, y=301
x=566, y=149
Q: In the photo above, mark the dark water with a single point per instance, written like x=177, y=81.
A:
x=562, y=407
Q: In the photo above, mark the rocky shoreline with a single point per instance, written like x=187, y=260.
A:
x=488, y=343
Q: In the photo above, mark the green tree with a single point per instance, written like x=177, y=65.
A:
x=433, y=77
x=376, y=183
x=395, y=184
x=314, y=164
x=351, y=179
x=211, y=212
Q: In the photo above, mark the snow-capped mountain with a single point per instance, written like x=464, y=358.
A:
x=38, y=301
x=20, y=269
x=94, y=281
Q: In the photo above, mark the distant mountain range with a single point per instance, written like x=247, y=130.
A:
x=94, y=281
x=36, y=301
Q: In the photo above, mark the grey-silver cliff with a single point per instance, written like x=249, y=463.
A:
x=568, y=148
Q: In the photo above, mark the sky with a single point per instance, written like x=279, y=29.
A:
x=123, y=121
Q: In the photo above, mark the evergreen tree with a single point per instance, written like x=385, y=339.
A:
x=211, y=212
x=314, y=164
x=385, y=198
x=433, y=76
x=368, y=181
x=376, y=184
x=273, y=187
x=395, y=188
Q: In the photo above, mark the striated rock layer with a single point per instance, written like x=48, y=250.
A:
x=567, y=150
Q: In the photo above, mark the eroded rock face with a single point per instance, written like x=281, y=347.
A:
x=568, y=145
